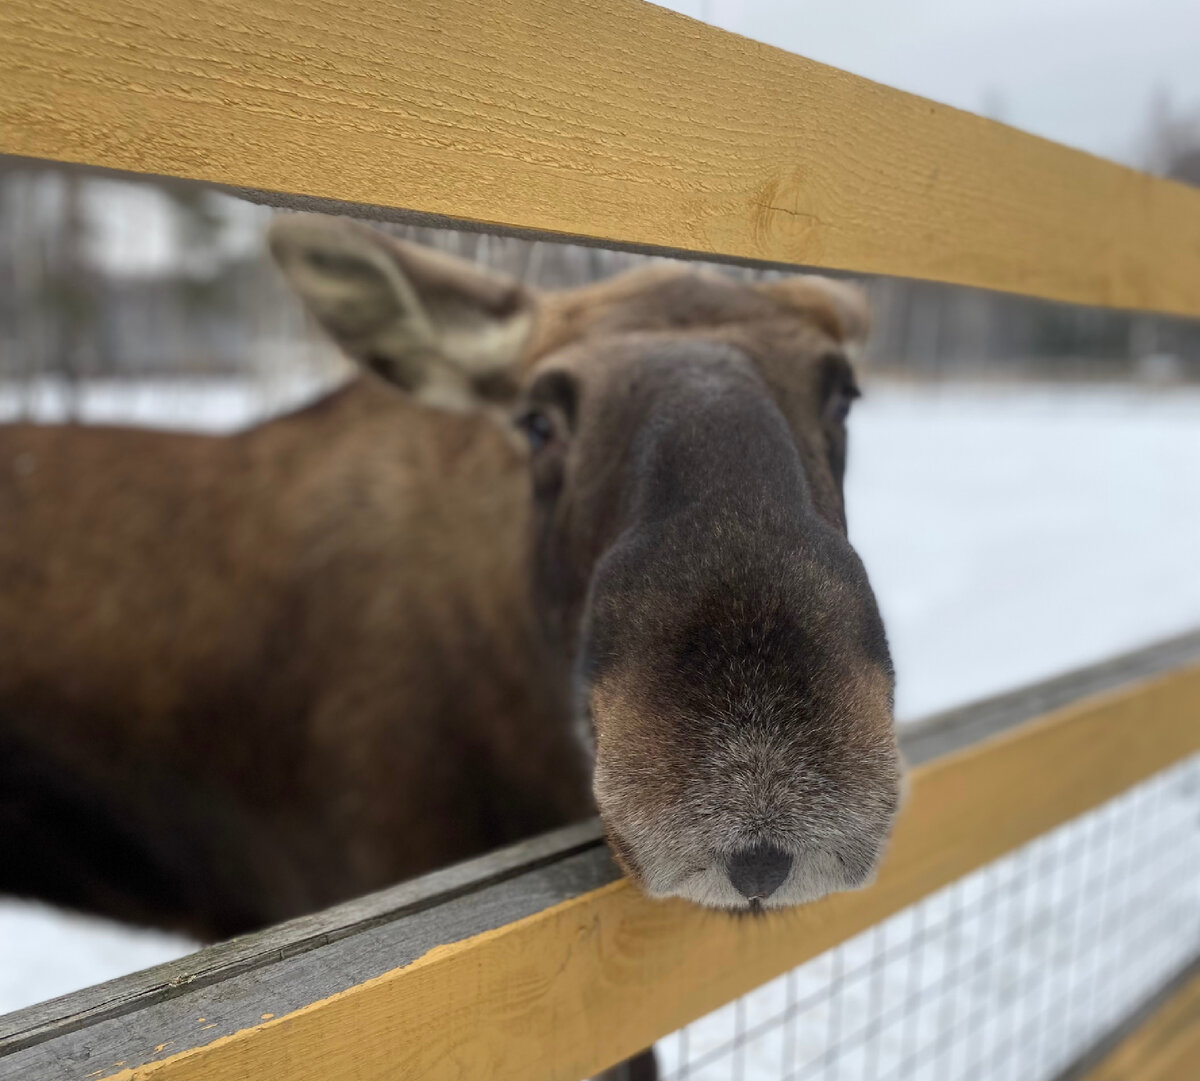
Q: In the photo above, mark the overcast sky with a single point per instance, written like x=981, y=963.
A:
x=1082, y=72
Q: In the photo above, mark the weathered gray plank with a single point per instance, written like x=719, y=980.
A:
x=955, y=729
x=226, y=959
x=164, y=1025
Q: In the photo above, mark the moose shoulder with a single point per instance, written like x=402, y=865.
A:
x=545, y=549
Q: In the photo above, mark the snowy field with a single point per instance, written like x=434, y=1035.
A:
x=1010, y=534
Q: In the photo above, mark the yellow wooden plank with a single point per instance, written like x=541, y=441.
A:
x=587, y=982
x=1165, y=1047
x=604, y=118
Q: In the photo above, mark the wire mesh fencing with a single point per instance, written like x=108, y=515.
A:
x=1009, y=973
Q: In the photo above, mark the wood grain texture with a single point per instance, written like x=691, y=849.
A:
x=1164, y=1047
x=568, y=990
x=609, y=119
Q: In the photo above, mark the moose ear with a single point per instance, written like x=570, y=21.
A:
x=839, y=308
x=447, y=331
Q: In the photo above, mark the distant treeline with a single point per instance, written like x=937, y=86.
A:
x=74, y=307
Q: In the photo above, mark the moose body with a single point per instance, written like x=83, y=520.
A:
x=243, y=677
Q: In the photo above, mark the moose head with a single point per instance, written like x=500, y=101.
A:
x=684, y=437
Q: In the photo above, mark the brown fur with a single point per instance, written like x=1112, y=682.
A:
x=297, y=624
x=244, y=677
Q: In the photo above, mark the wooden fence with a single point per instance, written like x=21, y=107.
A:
x=623, y=124
x=540, y=961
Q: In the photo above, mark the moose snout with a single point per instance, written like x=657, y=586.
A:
x=757, y=872
x=745, y=754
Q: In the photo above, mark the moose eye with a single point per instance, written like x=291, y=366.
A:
x=537, y=426
x=838, y=391
x=837, y=408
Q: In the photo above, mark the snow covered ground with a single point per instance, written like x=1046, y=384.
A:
x=1010, y=533
x=184, y=404
x=1014, y=533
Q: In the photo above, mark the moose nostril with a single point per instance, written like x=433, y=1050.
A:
x=758, y=872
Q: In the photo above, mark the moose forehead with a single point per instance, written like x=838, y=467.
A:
x=798, y=313
x=668, y=339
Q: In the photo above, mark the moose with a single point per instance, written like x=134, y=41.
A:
x=546, y=554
